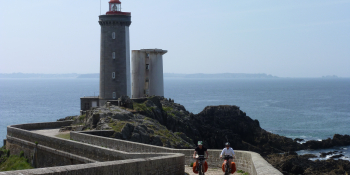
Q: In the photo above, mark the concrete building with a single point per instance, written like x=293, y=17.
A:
x=147, y=72
x=115, y=53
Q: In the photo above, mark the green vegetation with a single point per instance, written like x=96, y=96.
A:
x=118, y=125
x=168, y=109
x=166, y=135
x=142, y=107
x=82, y=117
x=242, y=172
x=191, y=165
x=13, y=162
x=64, y=136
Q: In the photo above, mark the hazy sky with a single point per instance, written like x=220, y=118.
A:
x=284, y=38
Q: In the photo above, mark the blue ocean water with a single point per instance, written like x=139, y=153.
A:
x=304, y=108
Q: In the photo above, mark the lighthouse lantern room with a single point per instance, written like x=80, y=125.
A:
x=114, y=6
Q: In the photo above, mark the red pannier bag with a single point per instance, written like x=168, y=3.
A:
x=195, y=167
x=233, y=167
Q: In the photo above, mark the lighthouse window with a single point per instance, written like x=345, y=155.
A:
x=113, y=55
x=147, y=66
x=147, y=84
x=113, y=35
x=114, y=95
x=113, y=75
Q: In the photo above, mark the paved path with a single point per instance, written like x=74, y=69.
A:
x=49, y=132
x=210, y=171
x=55, y=132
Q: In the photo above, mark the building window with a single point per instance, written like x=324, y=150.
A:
x=113, y=35
x=147, y=66
x=113, y=75
x=113, y=55
x=147, y=84
x=114, y=95
x=147, y=55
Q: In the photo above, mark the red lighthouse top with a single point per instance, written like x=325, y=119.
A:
x=115, y=8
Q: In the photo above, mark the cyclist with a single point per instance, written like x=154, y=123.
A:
x=200, y=151
x=228, y=151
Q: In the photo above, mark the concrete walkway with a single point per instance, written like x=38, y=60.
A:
x=210, y=171
x=49, y=132
x=55, y=132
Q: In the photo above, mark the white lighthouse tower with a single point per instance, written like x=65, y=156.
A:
x=147, y=73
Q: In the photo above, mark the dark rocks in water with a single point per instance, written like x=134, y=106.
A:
x=337, y=156
x=294, y=164
x=337, y=140
x=298, y=140
x=326, y=154
x=308, y=156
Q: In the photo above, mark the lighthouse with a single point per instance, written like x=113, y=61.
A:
x=115, y=53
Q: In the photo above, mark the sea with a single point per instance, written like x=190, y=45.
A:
x=306, y=108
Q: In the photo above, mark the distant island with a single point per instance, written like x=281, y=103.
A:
x=31, y=75
x=220, y=75
x=166, y=75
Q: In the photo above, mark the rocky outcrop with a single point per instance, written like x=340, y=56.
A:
x=130, y=125
x=160, y=121
x=215, y=125
x=337, y=140
x=290, y=163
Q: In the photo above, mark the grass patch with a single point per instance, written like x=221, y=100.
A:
x=168, y=109
x=141, y=107
x=242, y=172
x=118, y=126
x=64, y=136
x=15, y=163
x=82, y=117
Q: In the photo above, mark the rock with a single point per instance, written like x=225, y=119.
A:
x=291, y=164
x=156, y=141
x=158, y=121
x=326, y=154
x=337, y=156
x=67, y=118
x=117, y=135
x=127, y=131
x=307, y=156
x=140, y=134
x=103, y=126
x=338, y=140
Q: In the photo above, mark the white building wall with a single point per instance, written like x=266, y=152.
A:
x=140, y=74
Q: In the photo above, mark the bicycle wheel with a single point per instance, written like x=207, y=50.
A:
x=227, y=169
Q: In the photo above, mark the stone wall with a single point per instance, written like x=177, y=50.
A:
x=52, y=151
x=172, y=164
x=42, y=156
x=247, y=161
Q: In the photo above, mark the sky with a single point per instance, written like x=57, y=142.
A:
x=282, y=38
